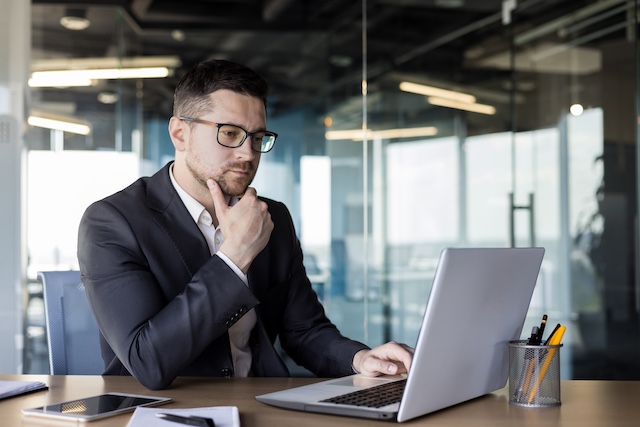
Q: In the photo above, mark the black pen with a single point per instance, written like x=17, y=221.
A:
x=541, y=330
x=548, y=340
x=191, y=420
x=534, y=335
x=552, y=332
x=525, y=376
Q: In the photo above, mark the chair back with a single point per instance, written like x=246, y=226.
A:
x=73, y=336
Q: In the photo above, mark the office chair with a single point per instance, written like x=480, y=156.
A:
x=73, y=337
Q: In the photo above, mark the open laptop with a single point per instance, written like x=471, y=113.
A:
x=478, y=302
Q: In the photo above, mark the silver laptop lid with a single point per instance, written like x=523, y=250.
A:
x=478, y=302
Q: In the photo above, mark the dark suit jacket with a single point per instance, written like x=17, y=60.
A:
x=164, y=305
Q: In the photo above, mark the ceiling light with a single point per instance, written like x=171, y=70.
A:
x=178, y=35
x=473, y=107
x=576, y=109
x=59, y=81
x=62, y=78
x=108, y=97
x=56, y=124
x=357, y=134
x=436, y=91
x=75, y=20
x=53, y=64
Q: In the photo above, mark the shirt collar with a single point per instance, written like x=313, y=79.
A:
x=195, y=208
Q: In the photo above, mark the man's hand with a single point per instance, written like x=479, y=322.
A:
x=388, y=359
x=246, y=226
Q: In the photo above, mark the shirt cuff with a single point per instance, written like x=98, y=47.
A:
x=234, y=267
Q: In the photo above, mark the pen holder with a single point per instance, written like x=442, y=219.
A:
x=534, y=374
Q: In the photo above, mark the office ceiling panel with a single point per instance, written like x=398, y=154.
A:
x=311, y=51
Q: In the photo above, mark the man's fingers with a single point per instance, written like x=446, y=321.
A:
x=374, y=366
x=389, y=359
x=219, y=202
x=405, y=356
x=406, y=347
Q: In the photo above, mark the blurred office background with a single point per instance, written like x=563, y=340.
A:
x=533, y=142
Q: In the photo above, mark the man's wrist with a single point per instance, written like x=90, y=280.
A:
x=357, y=361
x=233, y=266
x=238, y=259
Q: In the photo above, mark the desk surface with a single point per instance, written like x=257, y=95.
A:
x=584, y=403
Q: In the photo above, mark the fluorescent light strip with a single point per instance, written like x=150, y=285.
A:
x=476, y=108
x=54, y=64
x=435, y=91
x=405, y=133
x=42, y=122
x=59, y=81
x=357, y=134
x=67, y=77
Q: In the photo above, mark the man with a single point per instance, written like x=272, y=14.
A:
x=189, y=272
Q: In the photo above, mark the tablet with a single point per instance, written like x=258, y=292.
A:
x=95, y=407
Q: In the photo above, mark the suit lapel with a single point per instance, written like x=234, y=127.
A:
x=259, y=273
x=173, y=218
x=266, y=360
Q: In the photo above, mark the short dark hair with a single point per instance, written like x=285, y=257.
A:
x=191, y=96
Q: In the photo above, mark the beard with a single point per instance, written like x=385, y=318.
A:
x=230, y=186
x=233, y=187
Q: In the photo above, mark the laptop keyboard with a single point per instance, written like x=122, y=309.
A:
x=372, y=397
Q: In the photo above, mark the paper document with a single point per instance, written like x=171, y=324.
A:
x=15, y=388
x=224, y=416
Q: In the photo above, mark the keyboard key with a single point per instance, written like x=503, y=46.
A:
x=373, y=397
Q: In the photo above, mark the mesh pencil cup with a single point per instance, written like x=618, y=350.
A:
x=534, y=374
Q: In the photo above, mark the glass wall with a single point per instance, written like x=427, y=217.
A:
x=84, y=143
x=529, y=139
x=583, y=64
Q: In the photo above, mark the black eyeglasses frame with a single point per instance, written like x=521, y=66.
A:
x=247, y=134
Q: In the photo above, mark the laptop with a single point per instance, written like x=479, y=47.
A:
x=478, y=302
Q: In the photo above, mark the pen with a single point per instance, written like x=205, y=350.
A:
x=527, y=370
x=552, y=333
x=541, y=329
x=191, y=420
x=534, y=335
x=555, y=339
x=535, y=339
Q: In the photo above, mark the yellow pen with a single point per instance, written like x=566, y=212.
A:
x=555, y=339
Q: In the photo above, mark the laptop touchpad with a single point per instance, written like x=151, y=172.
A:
x=362, y=381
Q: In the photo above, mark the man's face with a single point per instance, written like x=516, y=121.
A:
x=232, y=168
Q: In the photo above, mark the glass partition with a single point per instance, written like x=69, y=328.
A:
x=486, y=125
x=84, y=143
x=581, y=63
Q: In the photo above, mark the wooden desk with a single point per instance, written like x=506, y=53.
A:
x=584, y=403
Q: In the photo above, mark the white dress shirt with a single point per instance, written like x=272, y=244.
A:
x=240, y=332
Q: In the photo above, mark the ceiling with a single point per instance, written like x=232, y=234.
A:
x=310, y=51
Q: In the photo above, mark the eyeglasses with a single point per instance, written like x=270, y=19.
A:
x=233, y=136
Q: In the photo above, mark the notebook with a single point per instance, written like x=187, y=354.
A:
x=478, y=302
x=16, y=388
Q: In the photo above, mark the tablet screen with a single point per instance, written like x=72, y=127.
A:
x=94, y=407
